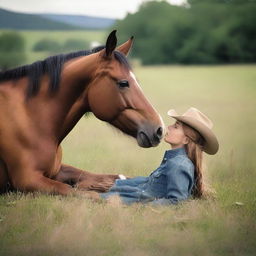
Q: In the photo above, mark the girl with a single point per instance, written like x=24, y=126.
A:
x=180, y=173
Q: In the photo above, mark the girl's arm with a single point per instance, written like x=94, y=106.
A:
x=179, y=181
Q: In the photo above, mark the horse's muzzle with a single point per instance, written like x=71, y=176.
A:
x=147, y=139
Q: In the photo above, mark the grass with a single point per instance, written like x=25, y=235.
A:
x=52, y=225
x=61, y=36
x=32, y=37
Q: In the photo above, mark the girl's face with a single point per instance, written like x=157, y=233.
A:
x=175, y=135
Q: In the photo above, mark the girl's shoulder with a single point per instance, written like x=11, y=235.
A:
x=181, y=162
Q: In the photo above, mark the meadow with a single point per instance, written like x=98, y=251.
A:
x=36, y=224
x=32, y=37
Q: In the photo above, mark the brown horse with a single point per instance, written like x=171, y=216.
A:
x=41, y=103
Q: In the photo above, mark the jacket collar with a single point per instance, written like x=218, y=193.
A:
x=175, y=152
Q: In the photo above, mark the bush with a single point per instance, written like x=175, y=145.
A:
x=53, y=47
x=47, y=45
x=75, y=45
x=12, y=50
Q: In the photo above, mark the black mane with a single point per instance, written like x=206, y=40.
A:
x=53, y=67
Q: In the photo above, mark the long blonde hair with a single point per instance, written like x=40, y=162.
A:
x=195, y=154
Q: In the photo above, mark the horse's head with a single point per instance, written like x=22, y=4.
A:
x=115, y=96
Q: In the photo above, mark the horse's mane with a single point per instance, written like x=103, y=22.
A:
x=51, y=66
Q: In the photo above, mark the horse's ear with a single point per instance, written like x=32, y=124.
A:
x=110, y=44
x=125, y=48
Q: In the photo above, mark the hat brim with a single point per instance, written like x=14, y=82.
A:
x=211, y=145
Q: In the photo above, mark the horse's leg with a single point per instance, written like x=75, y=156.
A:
x=27, y=180
x=85, y=180
x=81, y=179
x=35, y=181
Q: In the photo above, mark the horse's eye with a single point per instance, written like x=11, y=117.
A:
x=123, y=83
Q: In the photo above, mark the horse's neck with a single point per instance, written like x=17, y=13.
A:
x=76, y=77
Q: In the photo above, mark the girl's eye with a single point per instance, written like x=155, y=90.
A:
x=123, y=84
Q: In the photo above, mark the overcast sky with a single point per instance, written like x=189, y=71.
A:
x=102, y=8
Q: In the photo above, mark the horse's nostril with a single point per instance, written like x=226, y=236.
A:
x=159, y=132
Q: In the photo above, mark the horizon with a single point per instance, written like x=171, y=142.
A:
x=97, y=8
x=54, y=13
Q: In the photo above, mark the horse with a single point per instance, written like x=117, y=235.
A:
x=40, y=103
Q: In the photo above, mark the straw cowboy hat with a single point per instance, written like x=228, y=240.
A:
x=201, y=123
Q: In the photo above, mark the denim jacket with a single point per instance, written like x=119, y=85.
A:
x=170, y=183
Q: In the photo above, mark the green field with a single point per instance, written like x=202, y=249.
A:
x=60, y=36
x=32, y=37
x=52, y=225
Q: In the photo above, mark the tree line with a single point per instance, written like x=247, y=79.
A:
x=201, y=32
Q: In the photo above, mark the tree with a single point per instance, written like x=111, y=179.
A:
x=206, y=31
x=75, y=45
x=12, y=50
x=47, y=45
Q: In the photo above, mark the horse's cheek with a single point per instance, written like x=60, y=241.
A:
x=102, y=104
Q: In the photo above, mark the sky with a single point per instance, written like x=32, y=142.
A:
x=101, y=8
